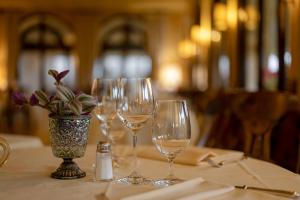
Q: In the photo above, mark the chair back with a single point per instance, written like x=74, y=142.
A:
x=259, y=112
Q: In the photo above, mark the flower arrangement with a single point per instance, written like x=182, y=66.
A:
x=64, y=102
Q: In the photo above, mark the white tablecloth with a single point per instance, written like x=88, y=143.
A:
x=26, y=176
x=21, y=141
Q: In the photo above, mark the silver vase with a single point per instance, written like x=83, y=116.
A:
x=68, y=137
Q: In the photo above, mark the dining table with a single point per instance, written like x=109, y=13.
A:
x=26, y=175
x=18, y=141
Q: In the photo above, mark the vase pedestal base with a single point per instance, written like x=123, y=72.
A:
x=68, y=170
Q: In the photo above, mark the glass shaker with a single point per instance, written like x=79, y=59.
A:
x=104, y=167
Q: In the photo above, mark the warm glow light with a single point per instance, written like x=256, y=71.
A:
x=200, y=77
x=200, y=34
x=3, y=80
x=243, y=16
x=253, y=17
x=170, y=76
x=216, y=36
x=232, y=13
x=220, y=16
x=186, y=48
x=3, y=72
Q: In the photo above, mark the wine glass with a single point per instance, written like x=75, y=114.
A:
x=171, y=133
x=105, y=92
x=115, y=134
x=135, y=108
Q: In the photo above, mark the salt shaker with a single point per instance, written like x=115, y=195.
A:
x=104, y=168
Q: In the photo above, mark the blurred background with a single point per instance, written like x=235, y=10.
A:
x=227, y=57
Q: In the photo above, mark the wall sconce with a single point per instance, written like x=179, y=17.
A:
x=253, y=17
x=201, y=35
x=227, y=16
x=232, y=13
x=243, y=16
x=187, y=48
x=216, y=36
x=219, y=16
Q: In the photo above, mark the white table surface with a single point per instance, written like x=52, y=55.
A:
x=26, y=176
x=21, y=141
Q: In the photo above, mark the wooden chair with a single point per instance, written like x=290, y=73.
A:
x=259, y=112
x=226, y=129
x=285, y=140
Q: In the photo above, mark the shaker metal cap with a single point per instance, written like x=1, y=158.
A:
x=103, y=147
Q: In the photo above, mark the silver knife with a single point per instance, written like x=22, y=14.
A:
x=287, y=193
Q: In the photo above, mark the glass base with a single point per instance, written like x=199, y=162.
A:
x=135, y=179
x=167, y=181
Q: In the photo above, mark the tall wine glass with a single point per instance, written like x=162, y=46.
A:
x=105, y=92
x=171, y=133
x=135, y=108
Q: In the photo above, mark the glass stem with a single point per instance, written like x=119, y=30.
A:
x=171, y=171
x=107, y=128
x=134, y=143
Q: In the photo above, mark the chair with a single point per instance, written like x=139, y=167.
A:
x=225, y=130
x=259, y=112
x=285, y=140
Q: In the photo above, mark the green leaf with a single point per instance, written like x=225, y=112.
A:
x=52, y=107
x=42, y=97
x=53, y=73
x=76, y=107
x=84, y=97
x=87, y=108
x=88, y=102
x=65, y=93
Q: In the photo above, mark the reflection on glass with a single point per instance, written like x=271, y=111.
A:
x=171, y=133
x=105, y=92
x=135, y=108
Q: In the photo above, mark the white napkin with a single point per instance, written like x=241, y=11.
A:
x=208, y=194
x=190, y=156
x=160, y=193
x=189, y=190
x=228, y=157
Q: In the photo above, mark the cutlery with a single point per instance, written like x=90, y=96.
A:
x=287, y=193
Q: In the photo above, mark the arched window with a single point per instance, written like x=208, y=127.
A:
x=46, y=43
x=123, y=51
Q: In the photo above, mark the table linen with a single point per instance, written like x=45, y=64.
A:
x=21, y=141
x=26, y=175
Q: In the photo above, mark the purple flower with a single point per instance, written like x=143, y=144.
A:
x=61, y=75
x=19, y=98
x=33, y=100
x=77, y=92
x=52, y=97
x=56, y=75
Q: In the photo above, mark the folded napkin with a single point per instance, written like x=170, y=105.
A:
x=190, y=156
x=189, y=190
x=208, y=194
x=228, y=157
x=160, y=193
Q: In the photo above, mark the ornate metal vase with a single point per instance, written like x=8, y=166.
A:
x=68, y=137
